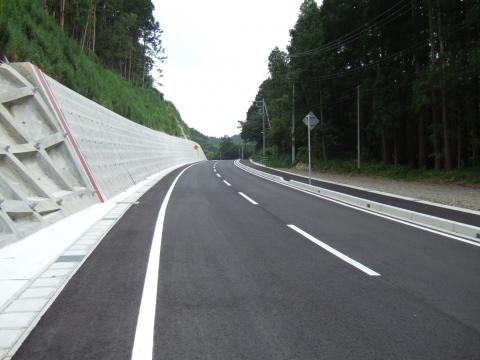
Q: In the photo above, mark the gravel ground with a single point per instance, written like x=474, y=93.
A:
x=453, y=195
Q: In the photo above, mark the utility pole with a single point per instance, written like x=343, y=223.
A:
x=358, y=127
x=242, y=150
x=263, y=113
x=293, y=123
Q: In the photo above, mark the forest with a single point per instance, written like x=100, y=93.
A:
x=123, y=34
x=88, y=46
x=410, y=70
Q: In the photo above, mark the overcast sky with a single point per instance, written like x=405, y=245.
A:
x=217, y=56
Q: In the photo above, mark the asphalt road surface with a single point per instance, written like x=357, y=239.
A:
x=250, y=269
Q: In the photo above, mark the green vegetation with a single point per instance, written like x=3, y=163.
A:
x=209, y=144
x=29, y=33
x=222, y=148
x=417, y=63
x=466, y=176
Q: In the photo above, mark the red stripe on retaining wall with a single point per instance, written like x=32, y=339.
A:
x=67, y=130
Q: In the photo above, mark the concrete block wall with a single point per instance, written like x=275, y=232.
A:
x=40, y=181
x=118, y=151
x=60, y=152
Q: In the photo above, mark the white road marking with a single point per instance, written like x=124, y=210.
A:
x=337, y=253
x=214, y=170
x=247, y=198
x=227, y=183
x=417, y=226
x=219, y=175
x=143, y=343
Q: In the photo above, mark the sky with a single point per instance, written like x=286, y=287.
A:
x=217, y=54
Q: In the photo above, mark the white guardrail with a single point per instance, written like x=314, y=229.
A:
x=452, y=227
x=61, y=152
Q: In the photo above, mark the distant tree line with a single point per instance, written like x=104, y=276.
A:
x=226, y=147
x=122, y=34
x=417, y=63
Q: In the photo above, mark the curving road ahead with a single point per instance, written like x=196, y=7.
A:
x=250, y=269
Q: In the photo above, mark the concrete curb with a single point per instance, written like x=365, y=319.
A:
x=469, y=232
x=397, y=196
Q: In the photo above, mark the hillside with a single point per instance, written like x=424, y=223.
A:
x=29, y=33
x=209, y=144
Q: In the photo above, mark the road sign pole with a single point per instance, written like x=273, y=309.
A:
x=309, y=156
x=311, y=121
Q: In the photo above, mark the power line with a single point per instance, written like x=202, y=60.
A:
x=418, y=45
x=378, y=22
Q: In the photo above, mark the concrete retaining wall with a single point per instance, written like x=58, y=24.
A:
x=118, y=151
x=60, y=152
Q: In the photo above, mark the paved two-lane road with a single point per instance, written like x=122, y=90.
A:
x=250, y=269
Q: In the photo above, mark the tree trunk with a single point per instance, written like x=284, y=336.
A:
x=459, y=142
x=385, y=147
x=323, y=127
x=410, y=141
x=85, y=32
x=62, y=13
x=144, y=59
x=436, y=145
x=446, y=140
x=130, y=65
x=395, y=149
x=94, y=35
x=421, y=143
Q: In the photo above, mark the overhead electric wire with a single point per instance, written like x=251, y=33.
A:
x=378, y=22
x=417, y=45
x=339, y=45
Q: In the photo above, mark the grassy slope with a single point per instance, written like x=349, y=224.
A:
x=28, y=33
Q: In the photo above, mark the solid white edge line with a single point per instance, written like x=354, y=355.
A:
x=143, y=342
x=227, y=183
x=420, y=227
x=247, y=198
x=332, y=251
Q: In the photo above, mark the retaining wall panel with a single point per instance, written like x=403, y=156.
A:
x=43, y=176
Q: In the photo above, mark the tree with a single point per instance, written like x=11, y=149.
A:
x=228, y=150
x=417, y=64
